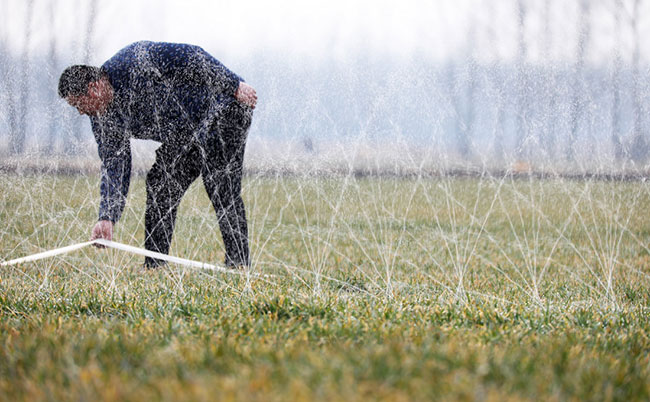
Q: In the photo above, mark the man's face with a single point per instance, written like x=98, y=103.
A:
x=95, y=101
x=85, y=104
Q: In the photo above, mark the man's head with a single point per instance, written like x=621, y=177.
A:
x=86, y=88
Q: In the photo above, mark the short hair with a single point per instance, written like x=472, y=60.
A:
x=75, y=79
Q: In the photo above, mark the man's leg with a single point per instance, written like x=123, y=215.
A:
x=222, y=175
x=175, y=168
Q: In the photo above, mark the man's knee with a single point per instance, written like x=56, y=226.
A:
x=154, y=181
x=225, y=195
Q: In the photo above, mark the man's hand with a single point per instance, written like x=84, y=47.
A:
x=102, y=230
x=246, y=94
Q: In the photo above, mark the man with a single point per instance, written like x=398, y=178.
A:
x=200, y=112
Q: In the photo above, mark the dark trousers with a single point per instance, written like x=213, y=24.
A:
x=218, y=157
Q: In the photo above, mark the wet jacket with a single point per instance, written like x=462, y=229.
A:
x=162, y=92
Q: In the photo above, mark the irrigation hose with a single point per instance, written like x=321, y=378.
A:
x=122, y=247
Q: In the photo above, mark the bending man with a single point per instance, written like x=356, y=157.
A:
x=198, y=110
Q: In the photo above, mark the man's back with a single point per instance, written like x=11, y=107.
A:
x=164, y=89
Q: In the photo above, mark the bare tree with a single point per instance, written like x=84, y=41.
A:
x=90, y=30
x=496, y=80
x=49, y=141
x=639, y=147
x=470, y=90
x=70, y=146
x=577, y=101
x=452, y=73
x=548, y=136
x=463, y=97
x=522, y=81
x=616, y=84
x=19, y=133
x=6, y=84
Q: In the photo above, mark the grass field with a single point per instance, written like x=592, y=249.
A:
x=374, y=288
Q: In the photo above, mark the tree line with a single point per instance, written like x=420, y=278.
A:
x=473, y=106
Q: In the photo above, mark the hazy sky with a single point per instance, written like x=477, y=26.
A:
x=323, y=29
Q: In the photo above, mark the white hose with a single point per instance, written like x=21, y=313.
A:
x=123, y=247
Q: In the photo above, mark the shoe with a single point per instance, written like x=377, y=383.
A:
x=152, y=264
x=237, y=264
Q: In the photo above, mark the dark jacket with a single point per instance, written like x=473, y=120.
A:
x=162, y=92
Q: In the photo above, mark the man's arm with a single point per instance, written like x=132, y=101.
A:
x=114, y=151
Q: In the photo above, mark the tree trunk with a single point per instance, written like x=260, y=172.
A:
x=19, y=134
x=638, y=147
x=522, y=103
x=577, y=102
x=548, y=136
x=51, y=135
x=71, y=146
x=616, y=86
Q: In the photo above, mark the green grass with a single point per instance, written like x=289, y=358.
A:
x=395, y=289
